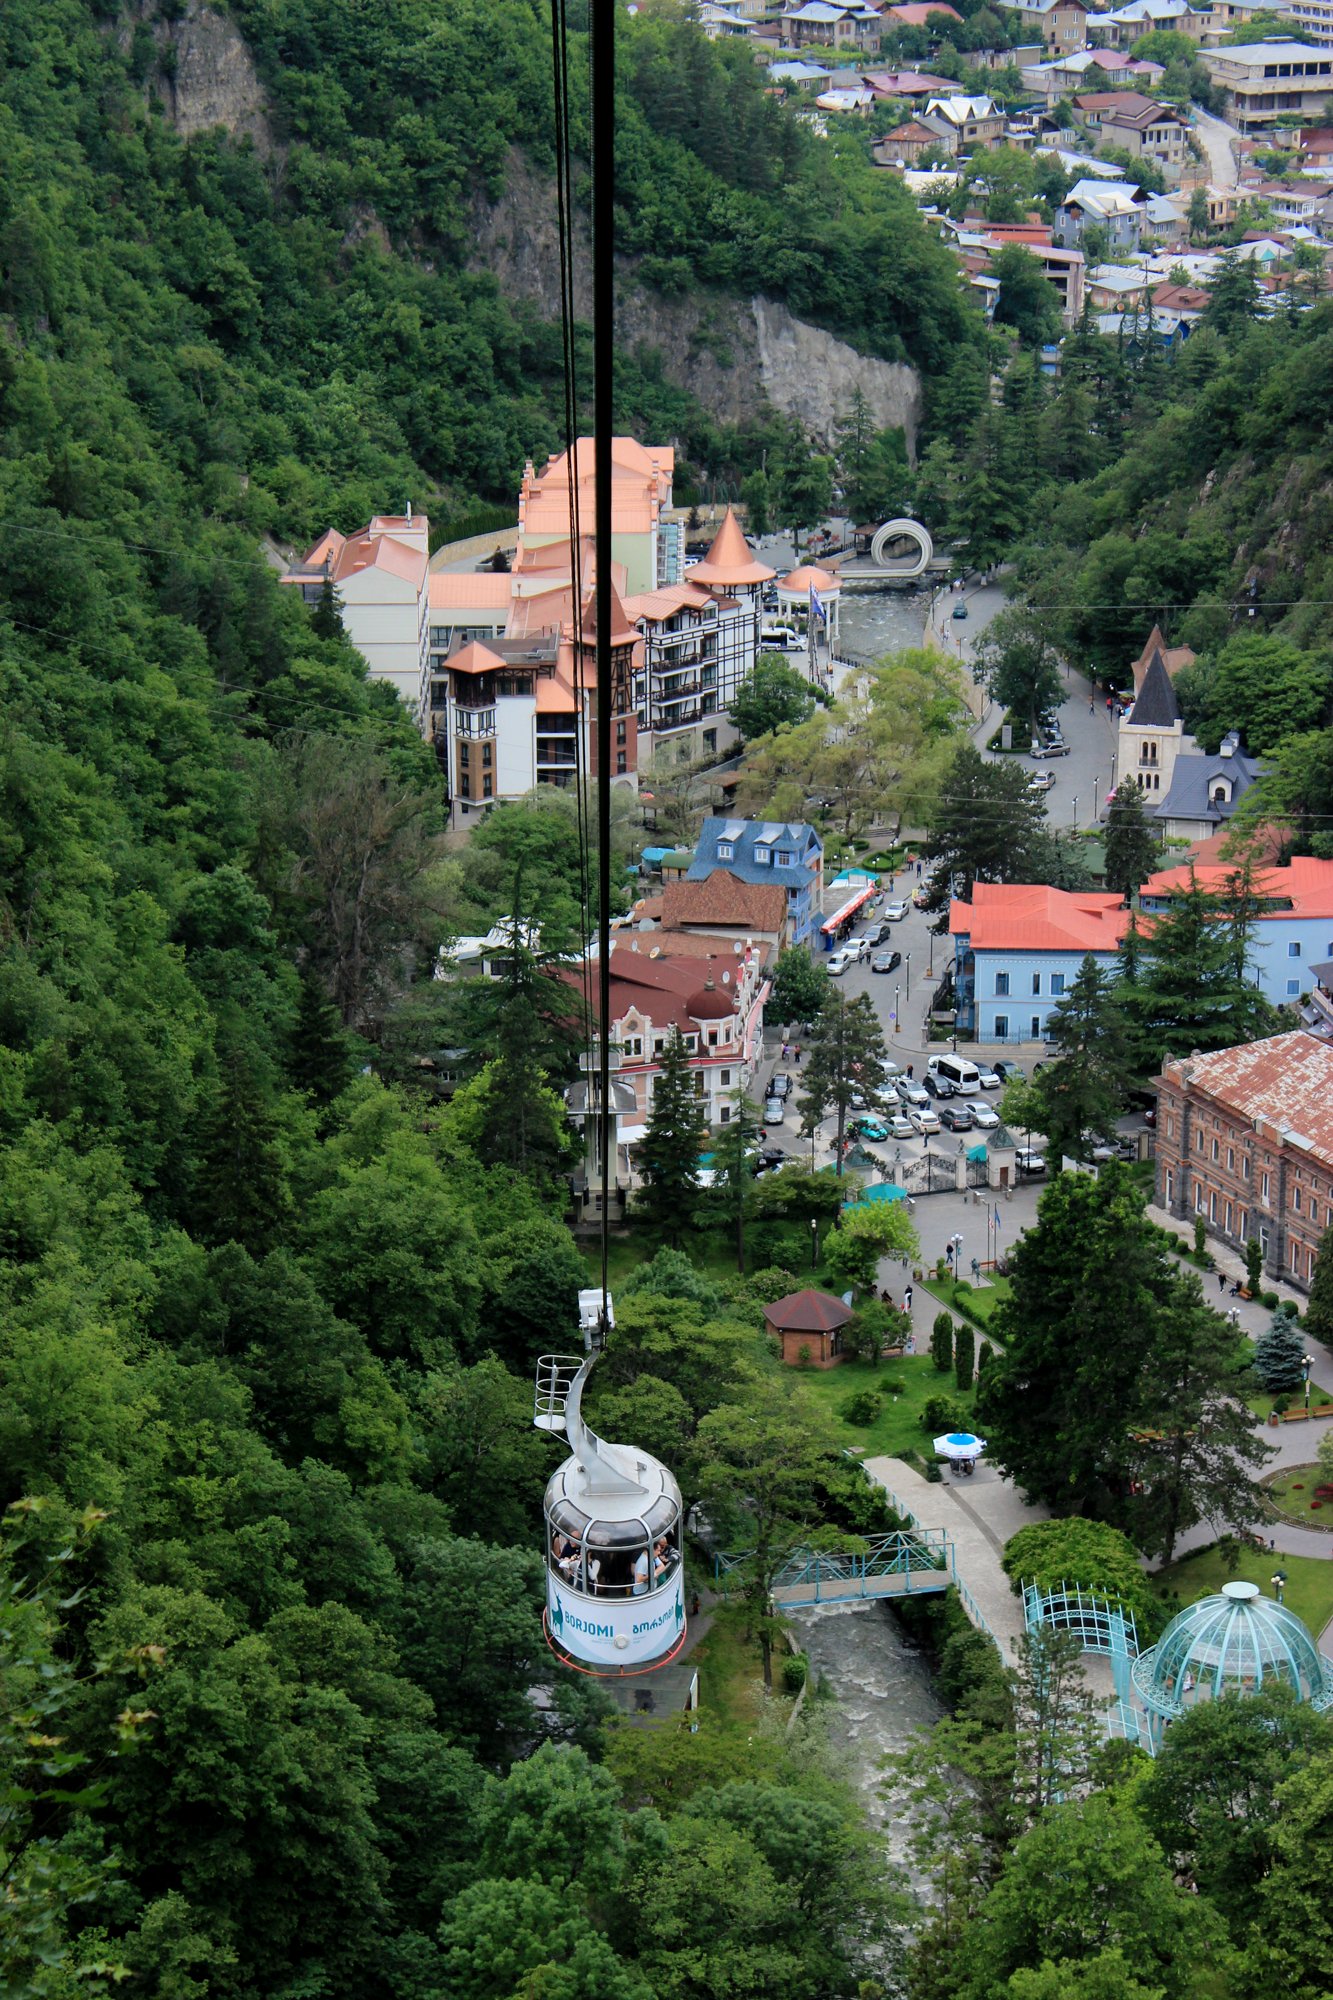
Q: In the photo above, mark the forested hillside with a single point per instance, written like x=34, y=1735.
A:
x=269, y=1600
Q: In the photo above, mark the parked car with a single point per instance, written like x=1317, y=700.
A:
x=923, y=1120
x=1041, y=781
x=911, y=1092
x=983, y=1115
x=890, y=1072
x=1005, y=1069
x=1029, y=1162
x=894, y=912
x=780, y=1086
x=770, y=1159
x=900, y=1125
x=988, y=1078
x=774, y=1111
x=839, y=963
x=1050, y=750
x=956, y=1118
x=938, y=1086
x=873, y=1129
x=886, y=961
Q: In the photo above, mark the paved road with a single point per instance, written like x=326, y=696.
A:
x=1217, y=139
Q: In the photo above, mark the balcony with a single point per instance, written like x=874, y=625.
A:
x=556, y=760
x=684, y=692
x=471, y=722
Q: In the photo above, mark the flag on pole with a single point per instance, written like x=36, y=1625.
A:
x=997, y=1215
x=817, y=607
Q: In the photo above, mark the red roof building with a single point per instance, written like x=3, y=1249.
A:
x=808, y=1327
x=1018, y=948
x=1245, y=1139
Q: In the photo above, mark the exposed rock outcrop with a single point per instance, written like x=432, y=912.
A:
x=206, y=76
x=728, y=352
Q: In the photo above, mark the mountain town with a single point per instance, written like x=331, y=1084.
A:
x=666, y=1092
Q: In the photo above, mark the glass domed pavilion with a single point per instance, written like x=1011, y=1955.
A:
x=1237, y=1640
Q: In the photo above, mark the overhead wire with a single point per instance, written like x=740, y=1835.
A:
x=560, y=85
x=602, y=44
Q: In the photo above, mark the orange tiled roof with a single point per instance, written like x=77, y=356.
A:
x=366, y=551
x=731, y=560
x=474, y=658
x=1304, y=887
x=1025, y=916
x=801, y=581
x=487, y=589
x=1285, y=1079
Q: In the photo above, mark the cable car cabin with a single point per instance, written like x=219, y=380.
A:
x=615, y=1597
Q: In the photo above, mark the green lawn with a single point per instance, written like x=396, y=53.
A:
x=898, y=1426
x=1292, y=1492
x=1309, y=1590
x=981, y=1300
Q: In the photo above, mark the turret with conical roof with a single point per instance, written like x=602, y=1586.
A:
x=731, y=563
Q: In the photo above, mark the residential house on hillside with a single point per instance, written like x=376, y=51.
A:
x=1060, y=25
x=1315, y=17
x=1293, y=917
x=917, y=13
x=1245, y=1140
x=789, y=853
x=911, y=85
x=1114, y=206
x=1264, y=79
x=1149, y=132
x=801, y=74
x=1017, y=951
x=830, y=25
x=919, y=139
x=976, y=120
x=1316, y=145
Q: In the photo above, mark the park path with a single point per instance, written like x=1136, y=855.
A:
x=978, y=1524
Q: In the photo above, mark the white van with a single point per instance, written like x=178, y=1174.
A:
x=963, y=1075
x=777, y=636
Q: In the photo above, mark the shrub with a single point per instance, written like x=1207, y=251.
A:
x=1269, y=1300
x=1200, y=1236
x=1075, y=1550
x=943, y=1413
x=941, y=1342
x=861, y=1409
x=1254, y=1264
x=889, y=1385
x=985, y=1355
x=795, y=1672
x=964, y=1357
x=962, y=1285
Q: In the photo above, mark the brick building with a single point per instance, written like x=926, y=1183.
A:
x=1245, y=1139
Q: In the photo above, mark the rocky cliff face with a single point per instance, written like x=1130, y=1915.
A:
x=205, y=74
x=727, y=352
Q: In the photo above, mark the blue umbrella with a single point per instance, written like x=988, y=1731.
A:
x=959, y=1445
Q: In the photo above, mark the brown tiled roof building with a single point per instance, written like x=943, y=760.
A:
x=1245, y=1139
x=808, y=1324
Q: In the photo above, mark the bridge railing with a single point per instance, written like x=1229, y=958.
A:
x=903, y=1553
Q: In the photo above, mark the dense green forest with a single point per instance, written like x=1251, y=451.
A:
x=278, y=1714
x=278, y=1719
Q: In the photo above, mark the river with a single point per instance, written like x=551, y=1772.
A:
x=884, y=1697
x=873, y=622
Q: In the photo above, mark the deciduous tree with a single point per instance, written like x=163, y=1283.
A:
x=675, y=1137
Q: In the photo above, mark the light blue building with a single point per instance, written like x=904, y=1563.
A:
x=1293, y=927
x=788, y=852
x=1017, y=951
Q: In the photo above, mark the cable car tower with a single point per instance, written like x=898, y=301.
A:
x=615, y=1602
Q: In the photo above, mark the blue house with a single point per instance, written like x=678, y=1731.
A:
x=1018, y=947
x=787, y=852
x=1292, y=933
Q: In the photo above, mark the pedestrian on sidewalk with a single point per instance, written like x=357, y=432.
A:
x=1221, y=1281
x=907, y=1298
x=786, y=1051
x=798, y=1052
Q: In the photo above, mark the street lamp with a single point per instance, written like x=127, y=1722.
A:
x=1279, y=1579
x=1096, y=785
x=897, y=1023
x=1073, y=817
x=907, y=974
x=1307, y=1364
x=814, y=1241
